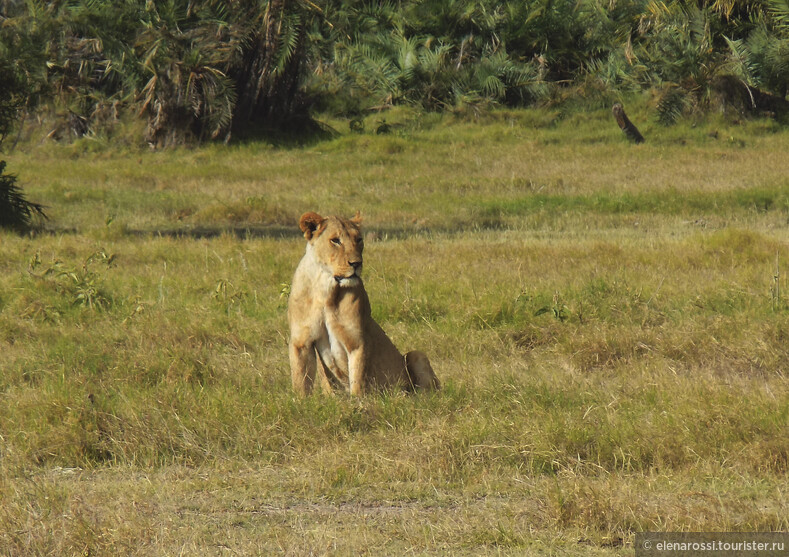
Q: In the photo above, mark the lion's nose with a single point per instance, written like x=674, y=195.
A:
x=355, y=264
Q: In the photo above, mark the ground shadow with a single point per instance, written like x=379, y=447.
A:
x=245, y=232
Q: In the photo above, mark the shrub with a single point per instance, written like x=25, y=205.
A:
x=16, y=212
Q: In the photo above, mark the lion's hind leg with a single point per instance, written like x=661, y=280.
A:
x=420, y=372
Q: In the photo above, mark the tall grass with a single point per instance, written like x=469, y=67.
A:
x=604, y=319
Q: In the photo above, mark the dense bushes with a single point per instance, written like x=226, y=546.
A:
x=199, y=70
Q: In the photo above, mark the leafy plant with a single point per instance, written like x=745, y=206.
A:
x=673, y=101
x=558, y=310
x=762, y=59
x=83, y=284
x=227, y=294
x=16, y=212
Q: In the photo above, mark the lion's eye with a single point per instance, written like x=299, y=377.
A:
x=336, y=241
x=359, y=241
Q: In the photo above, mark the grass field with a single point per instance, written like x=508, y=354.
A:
x=609, y=321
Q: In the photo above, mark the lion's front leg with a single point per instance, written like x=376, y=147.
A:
x=302, y=367
x=356, y=371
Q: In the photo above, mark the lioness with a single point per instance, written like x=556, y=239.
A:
x=330, y=320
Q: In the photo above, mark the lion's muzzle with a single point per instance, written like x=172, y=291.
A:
x=351, y=279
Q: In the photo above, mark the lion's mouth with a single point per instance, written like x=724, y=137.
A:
x=347, y=281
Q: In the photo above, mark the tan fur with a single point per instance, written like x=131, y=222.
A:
x=331, y=327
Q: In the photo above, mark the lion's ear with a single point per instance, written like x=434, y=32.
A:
x=309, y=223
x=357, y=218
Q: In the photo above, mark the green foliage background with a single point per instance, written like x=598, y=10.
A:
x=203, y=69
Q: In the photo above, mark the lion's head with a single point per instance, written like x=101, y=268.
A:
x=336, y=244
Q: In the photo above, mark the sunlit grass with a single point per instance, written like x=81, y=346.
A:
x=609, y=322
x=430, y=172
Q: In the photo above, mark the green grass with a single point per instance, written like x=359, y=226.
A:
x=604, y=318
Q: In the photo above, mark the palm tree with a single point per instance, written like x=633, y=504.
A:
x=184, y=51
x=274, y=59
x=214, y=67
x=761, y=60
x=16, y=212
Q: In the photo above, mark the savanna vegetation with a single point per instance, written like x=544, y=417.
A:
x=609, y=322
x=202, y=70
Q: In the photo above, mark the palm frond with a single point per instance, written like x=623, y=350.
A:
x=672, y=103
x=740, y=62
x=16, y=212
x=779, y=11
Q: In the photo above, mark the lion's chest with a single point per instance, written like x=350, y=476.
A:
x=345, y=333
x=337, y=339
